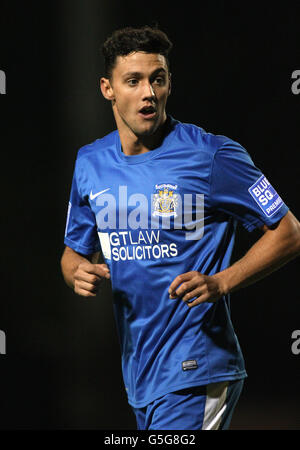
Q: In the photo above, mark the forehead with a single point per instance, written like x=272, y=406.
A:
x=140, y=62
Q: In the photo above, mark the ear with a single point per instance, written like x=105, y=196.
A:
x=106, y=89
x=170, y=84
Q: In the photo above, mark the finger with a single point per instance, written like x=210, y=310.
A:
x=83, y=292
x=184, y=288
x=102, y=270
x=81, y=275
x=84, y=286
x=195, y=302
x=205, y=297
x=178, y=280
x=191, y=294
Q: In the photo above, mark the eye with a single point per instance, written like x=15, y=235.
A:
x=160, y=80
x=132, y=82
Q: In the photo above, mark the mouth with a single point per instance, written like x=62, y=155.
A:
x=147, y=112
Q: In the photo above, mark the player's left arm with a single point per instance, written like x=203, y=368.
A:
x=278, y=245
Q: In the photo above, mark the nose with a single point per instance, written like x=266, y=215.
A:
x=148, y=91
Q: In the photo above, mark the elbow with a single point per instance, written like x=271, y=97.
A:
x=64, y=266
x=62, y=260
x=294, y=236
x=297, y=243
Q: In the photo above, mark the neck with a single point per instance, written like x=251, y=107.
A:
x=133, y=144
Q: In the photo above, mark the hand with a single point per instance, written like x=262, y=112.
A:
x=88, y=277
x=194, y=284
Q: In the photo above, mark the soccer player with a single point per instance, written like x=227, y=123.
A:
x=161, y=199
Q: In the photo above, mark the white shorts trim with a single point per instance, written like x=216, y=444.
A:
x=215, y=405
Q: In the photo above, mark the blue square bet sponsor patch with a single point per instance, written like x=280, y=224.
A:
x=265, y=196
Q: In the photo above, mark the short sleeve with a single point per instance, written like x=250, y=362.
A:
x=81, y=229
x=240, y=189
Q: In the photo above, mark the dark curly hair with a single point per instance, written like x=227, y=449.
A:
x=129, y=39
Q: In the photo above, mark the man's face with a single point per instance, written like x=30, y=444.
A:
x=139, y=89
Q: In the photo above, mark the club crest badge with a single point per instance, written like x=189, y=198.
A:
x=165, y=200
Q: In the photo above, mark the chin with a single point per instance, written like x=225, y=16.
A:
x=149, y=128
x=148, y=132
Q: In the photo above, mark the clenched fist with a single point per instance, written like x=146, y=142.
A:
x=88, y=277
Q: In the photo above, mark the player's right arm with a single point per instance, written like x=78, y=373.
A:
x=82, y=272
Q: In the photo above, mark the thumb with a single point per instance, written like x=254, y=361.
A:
x=102, y=270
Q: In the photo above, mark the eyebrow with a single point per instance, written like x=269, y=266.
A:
x=140, y=74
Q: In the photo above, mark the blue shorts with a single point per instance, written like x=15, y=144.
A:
x=198, y=408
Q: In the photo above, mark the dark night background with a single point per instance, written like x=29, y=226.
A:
x=231, y=68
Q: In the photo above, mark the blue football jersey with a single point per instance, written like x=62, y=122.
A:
x=157, y=215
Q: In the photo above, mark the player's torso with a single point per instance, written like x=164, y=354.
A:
x=149, y=203
x=155, y=221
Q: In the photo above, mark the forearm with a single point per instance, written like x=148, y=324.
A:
x=274, y=249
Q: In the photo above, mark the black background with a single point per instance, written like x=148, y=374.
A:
x=231, y=70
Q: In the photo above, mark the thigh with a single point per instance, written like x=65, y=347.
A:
x=198, y=408
x=140, y=416
x=221, y=399
x=180, y=410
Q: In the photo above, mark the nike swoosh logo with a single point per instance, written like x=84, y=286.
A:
x=93, y=196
